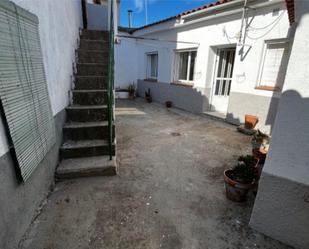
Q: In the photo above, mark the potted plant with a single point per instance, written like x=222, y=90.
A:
x=250, y=121
x=239, y=180
x=260, y=141
x=131, y=89
x=148, y=96
x=168, y=104
x=248, y=160
x=253, y=161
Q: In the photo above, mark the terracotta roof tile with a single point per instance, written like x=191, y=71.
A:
x=289, y=4
x=291, y=10
x=186, y=13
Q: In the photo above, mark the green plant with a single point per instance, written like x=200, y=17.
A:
x=243, y=173
x=131, y=88
x=147, y=93
x=249, y=160
x=260, y=138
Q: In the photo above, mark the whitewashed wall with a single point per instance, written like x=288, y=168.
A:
x=126, y=62
x=281, y=209
x=59, y=23
x=269, y=22
x=209, y=34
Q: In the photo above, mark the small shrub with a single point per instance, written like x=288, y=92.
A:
x=243, y=173
x=249, y=160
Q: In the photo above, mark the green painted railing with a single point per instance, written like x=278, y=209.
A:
x=110, y=81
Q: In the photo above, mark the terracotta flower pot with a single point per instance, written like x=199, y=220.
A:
x=259, y=154
x=168, y=104
x=149, y=99
x=131, y=96
x=251, y=121
x=236, y=191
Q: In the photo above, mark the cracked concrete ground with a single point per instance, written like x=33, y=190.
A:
x=169, y=192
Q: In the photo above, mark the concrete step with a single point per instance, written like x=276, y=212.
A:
x=85, y=167
x=91, y=113
x=92, y=56
x=90, y=82
x=91, y=69
x=85, y=148
x=89, y=97
x=97, y=45
x=94, y=35
x=86, y=130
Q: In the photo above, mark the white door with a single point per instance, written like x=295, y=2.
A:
x=222, y=80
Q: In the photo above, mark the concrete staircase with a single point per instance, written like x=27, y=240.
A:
x=85, y=150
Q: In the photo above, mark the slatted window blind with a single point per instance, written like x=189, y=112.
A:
x=274, y=64
x=23, y=88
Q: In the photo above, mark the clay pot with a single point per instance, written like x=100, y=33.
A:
x=131, y=96
x=168, y=104
x=149, y=99
x=259, y=154
x=251, y=121
x=236, y=191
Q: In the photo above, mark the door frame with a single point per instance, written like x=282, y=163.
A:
x=215, y=67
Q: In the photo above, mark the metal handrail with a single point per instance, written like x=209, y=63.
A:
x=110, y=81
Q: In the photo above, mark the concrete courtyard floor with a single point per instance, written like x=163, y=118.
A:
x=169, y=192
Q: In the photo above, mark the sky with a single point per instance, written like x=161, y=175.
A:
x=156, y=9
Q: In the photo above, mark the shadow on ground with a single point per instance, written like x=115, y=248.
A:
x=169, y=192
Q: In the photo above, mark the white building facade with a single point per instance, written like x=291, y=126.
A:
x=212, y=60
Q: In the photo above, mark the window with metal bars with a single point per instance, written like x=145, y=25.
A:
x=23, y=88
x=224, y=71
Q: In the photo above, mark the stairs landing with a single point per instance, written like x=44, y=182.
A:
x=85, y=150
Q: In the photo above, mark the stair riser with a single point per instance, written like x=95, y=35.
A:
x=89, y=98
x=86, y=152
x=90, y=83
x=93, y=35
x=92, y=57
x=91, y=70
x=86, y=133
x=93, y=45
x=88, y=115
x=111, y=171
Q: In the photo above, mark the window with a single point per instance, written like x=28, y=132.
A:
x=274, y=65
x=184, y=66
x=152, y=66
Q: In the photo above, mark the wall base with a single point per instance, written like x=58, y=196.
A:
x=281, y=210
x=20, y=201
x=265, y=108
x=183, y=97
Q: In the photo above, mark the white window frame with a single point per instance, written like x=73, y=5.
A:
x=148, y=67
x=176, y=66
x=263, y=57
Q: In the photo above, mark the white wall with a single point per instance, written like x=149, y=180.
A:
x=126, y=62
x=210, y=34
x=281, y=209
x=59, y=23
